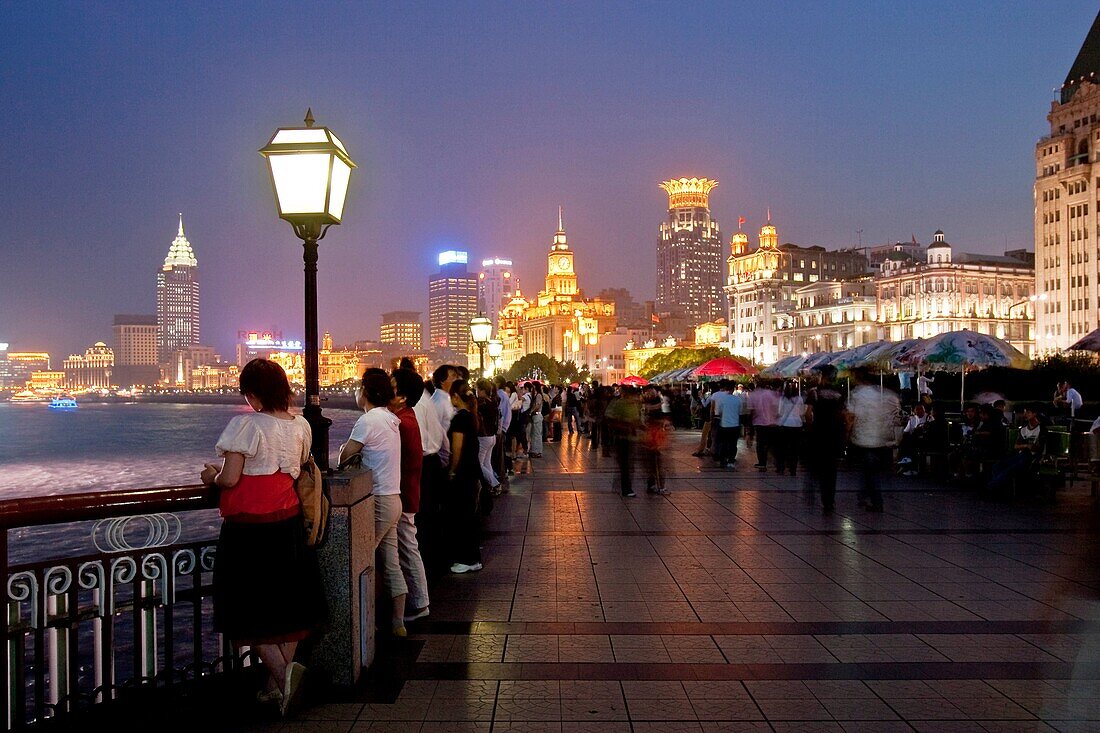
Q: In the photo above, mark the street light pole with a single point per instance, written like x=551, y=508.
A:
x=318, y=423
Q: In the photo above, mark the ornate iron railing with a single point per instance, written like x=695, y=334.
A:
x=135, y=612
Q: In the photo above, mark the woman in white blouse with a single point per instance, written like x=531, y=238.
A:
x=267, y=586
x=789, y=433
x=376, y=437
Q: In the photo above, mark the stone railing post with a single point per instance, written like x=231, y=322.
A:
x=347, y=570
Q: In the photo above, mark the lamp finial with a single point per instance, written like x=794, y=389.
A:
x=309, y=117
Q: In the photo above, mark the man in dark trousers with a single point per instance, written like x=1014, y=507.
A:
x=826, y=425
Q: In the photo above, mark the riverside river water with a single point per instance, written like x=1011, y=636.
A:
x=99, y=447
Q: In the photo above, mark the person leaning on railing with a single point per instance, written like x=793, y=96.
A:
x=267, y=584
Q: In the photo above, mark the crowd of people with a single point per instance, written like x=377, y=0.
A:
x=440, y=451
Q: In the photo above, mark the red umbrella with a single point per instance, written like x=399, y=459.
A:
x=725, y=366
x=634, y=381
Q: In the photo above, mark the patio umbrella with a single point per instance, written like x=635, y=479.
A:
x=1088, y=343
x=722, y=367
x=958, y=351
x=889, y=355
x=634, y=381
x=786, y=367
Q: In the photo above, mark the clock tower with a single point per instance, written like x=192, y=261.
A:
x=560, y=277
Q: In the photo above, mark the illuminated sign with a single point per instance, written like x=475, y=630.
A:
x=452, y=257
x=496, y=261
x=3, y=346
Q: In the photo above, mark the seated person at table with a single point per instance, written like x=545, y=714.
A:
x=962, y=458
x=990, y=435
x=912, y=436
x=1025, y=454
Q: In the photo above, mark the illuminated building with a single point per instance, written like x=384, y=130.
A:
x=214, y=376
x=45, y=380
x=829, y=315
x=92, y=370
x=184, y=361
x=761, y=285
x=494, y=287
x=403, y=330
x=629, y=312
x=16, y=366
x=945, y=291
x=1067, y=228
x=689, y=254
x=137, y=360
x=177, y=298
x=635, y=356
x=510, y=328
x=715, y=333
x=337, y=365
x=452, y=303
x=560, y=322
x=259, y=343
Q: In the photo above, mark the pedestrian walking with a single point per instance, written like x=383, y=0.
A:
x=788, y=430
x=624, y=423
x=826, y=422
x=873, y=415
x=408, y=389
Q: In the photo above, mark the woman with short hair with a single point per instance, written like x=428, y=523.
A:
x=267, y=585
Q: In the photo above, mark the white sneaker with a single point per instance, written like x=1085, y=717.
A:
x=419, y=614
x=460, y=568
x=907, y=459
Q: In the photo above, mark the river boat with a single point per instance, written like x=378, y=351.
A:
x=27, y=396
x=63, y=403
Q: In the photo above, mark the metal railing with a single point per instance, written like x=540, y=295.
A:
x=136, y=612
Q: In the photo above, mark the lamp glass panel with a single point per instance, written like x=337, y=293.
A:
x=341, y=172
x=336, y=140
x=300, y=182
x=283, y=137
x=481, y=330
x=496, y=348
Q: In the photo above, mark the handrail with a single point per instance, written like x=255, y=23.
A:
x=104, y=504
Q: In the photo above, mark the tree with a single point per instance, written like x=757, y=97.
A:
x=535, y=366
x=681, y=359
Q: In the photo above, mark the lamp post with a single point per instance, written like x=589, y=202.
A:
x=481, y=328
x=496, y=350
x=310, y=170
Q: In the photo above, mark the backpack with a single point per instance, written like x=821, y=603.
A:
x=545, y=406
x=310, y=487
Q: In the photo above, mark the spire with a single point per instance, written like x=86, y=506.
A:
x=1087, y=63
x=769, y=215
x=561, y=222
x=309, y=117
x=180, y=253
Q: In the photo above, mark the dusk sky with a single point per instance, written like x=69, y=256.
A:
x=472, y=122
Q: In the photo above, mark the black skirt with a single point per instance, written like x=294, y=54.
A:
x=267, y=584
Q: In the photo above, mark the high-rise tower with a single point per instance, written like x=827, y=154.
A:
x=690, y=254
x=452, y=303
x=177, y=298
x=495, y=287
x=1067, y=240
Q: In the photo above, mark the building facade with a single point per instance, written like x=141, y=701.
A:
x=829, y=315
x=137, y=360
x=1067, y=196
x=177, y=298
x=761, y=284
x=689, y=254
x=402, y=329
x=91, y=370
x=452, y=303
x=560, y=322
x=495, y=287
x=948, y=291
x=16, y=367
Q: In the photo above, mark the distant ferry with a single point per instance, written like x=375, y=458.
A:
x=27, y=396
x=62, y=403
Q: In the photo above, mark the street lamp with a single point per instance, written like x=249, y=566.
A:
x=310, y=170
x=496, y=350
x=481, y=328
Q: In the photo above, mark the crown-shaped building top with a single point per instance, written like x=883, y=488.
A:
x=180, y=253
x=688, y=192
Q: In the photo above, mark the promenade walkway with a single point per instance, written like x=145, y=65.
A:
x=734, y=605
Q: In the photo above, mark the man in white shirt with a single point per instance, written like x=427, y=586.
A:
x=1073, y=399
x=443, y=378
x=502, y=463
x=924, y=385
x=873, y=413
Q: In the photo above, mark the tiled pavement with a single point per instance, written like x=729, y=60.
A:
x=734, y=605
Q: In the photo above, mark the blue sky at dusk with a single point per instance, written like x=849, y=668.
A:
x=471, y=123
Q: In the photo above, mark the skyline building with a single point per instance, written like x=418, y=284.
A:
x=402, y=329
x=495, y=287
x=1067, y=228
x=91, y=370
x=177, y=299
x=137, y=360
x=452, y=302
x=561, y=322
x=689, y=254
